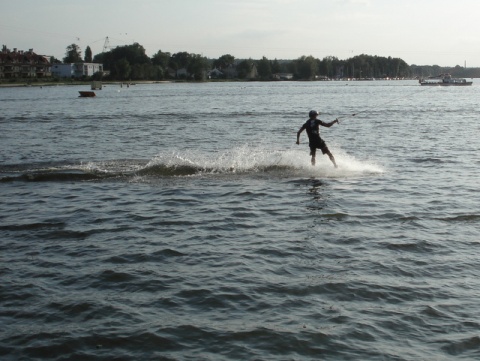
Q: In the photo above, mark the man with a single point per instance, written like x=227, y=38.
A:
x=312, y=126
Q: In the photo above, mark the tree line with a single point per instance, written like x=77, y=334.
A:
x=130, y=62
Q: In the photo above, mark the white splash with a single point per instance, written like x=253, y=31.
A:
x=254, y=159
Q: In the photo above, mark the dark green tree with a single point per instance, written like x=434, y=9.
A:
x=135, y=54
x=224, y=61
x=245, y=69
x=73, y=54
x=132, y=54
x=179, y=60
x=306, y=67
x=367, y=66
x=160, y=62
x=276, y=67
x=101, y=58
x=88, y=55
x=123, y=69
x=197, y=66
x=331, y=67
x=54, y=60
x=264, y=69
x=157, y=73
x=162, y=59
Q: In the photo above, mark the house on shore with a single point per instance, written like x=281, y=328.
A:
x=215, y=74
x=76, y=70
x=23, y=64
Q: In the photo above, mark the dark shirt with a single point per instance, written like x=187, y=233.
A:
x=312, y=126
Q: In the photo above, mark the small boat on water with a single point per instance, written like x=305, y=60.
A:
x=445, y=80
x=87, y=94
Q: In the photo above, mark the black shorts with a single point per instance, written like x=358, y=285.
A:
x=318, y=145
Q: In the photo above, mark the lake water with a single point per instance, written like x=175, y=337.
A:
x=181, y=221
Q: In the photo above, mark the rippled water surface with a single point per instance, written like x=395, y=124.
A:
x=182, y=222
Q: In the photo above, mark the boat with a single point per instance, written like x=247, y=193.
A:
x=87, y=94
x=445, y=80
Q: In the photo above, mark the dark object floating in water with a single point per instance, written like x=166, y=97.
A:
x=87, y=94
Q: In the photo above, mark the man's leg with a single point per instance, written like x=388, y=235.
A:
x=326, y=151
x=330, y=155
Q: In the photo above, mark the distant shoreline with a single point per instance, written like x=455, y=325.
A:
x=77, y=83
x=120, y=83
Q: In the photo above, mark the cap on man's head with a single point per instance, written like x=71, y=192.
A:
x=312, y=113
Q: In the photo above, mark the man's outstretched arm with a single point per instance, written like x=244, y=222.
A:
x=298, y=134
x=328, y=125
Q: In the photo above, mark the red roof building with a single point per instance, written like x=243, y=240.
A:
x=23, y=64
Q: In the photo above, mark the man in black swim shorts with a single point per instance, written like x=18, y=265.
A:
x=312, y=126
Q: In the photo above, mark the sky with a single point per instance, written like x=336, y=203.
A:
x=421, y=32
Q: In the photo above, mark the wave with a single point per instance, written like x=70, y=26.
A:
x=244, y=160
x=462, y=218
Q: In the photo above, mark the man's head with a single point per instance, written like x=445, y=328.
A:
x=313, y=113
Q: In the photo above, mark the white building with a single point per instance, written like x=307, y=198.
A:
x=76, y=70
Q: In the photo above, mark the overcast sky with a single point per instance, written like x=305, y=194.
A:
x=421, y=32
